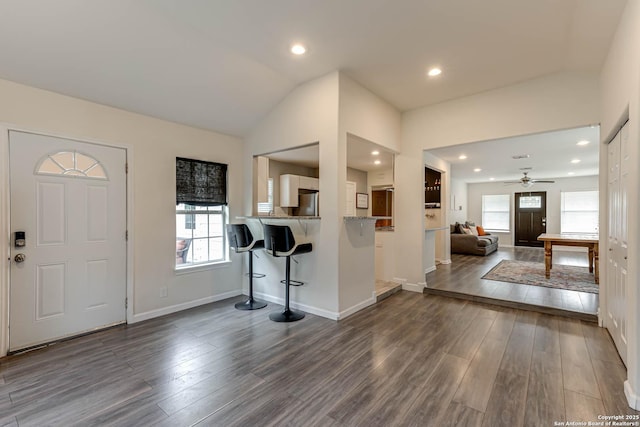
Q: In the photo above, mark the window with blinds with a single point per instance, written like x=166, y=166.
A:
x=266, y=208
x=496, y=212
x=579, y=212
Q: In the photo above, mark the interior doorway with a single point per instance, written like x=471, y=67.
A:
x=530, y=218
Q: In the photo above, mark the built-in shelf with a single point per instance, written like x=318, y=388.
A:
x=432, y=185
x=363, y=219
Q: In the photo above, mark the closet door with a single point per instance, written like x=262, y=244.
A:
x=618, y=184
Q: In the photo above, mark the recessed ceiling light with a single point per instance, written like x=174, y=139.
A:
x=462, y=157
x=477, y=170
x=575, y=161
x=375, y=152
x=571, y=173
x=377, y=162
x=492, y=179
x=298, y=49
x=434, y=72
x=583, y=142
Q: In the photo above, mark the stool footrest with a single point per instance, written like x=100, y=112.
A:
x=292, y=282
x=256, y=275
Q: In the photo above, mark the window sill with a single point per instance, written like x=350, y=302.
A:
x=201, y=267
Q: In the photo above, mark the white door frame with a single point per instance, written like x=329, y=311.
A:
x=5, y=225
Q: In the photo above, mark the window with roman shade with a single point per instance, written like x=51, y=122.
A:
x=200, y=183
x=201, y=213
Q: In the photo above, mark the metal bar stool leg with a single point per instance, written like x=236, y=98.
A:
x=287, y=315
x=251, y=303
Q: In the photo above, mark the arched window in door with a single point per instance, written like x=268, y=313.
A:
x=71, y=163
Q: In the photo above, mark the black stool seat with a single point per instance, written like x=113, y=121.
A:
x=279, y=242
x=241, y=240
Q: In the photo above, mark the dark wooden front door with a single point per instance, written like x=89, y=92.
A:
x=531, y=218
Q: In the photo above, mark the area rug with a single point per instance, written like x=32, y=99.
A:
x=532, y=273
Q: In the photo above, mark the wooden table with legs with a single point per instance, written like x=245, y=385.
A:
x=590, y=241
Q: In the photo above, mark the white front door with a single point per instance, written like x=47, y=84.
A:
x=69, y=198
x=618, y=183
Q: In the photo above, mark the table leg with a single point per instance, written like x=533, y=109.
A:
x=590, y=259
x=547, y=259
x=596, y=269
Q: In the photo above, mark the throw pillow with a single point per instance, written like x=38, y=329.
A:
x=481, y=231
x=466, y=230
x=470, y=224
x=459, y=228
x=474, y=230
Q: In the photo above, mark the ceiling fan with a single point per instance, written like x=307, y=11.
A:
x=527, y=182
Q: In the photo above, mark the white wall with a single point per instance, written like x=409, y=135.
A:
x=559, y=101
x=476, y=191
x=153, y=146
x=620, y=83
x=458, y=212
x=360, y=178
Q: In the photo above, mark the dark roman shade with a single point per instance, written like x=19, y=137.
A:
x=200, y=183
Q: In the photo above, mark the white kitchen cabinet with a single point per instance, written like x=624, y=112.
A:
x=309, y=183
x=289, y=185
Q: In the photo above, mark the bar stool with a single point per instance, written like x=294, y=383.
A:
x=241, y=240
x=279, y=242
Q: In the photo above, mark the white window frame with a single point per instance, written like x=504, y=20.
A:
x=507, y=211
x=566, y=214
x=266, y=208
x=211, y=210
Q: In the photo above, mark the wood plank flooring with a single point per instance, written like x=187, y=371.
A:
x=410, y=360
x=462, y=279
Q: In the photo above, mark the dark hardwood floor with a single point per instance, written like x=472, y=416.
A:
x=410, y=360
x=462, y=279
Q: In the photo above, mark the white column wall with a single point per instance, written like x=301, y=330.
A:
x=620, y=84
x=367, y=116
x=308, y=114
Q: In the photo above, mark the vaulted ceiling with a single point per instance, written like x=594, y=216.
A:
x=223, y=64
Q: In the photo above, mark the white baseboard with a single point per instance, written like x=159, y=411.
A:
x=632, y=397
x=306, y=308
x=411, y=287
x=444, y=261
x=182, y=306
x=429, y=269
x=351, y=310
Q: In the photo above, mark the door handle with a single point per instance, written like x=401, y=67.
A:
x=19, y=258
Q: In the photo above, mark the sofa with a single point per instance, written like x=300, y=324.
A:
x=471, y=244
